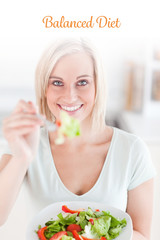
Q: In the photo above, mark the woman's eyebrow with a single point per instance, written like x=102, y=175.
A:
x=55, y=77
x=85, y=75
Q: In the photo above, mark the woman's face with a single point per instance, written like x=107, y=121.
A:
x=71, y=86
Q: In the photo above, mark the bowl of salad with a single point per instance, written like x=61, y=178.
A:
x=80, y=221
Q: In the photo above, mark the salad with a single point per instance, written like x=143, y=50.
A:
x=82, y=225
x=67, y=127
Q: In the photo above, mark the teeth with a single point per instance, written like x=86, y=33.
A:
x=71, y=109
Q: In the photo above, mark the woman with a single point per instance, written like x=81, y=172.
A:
x=103, y=164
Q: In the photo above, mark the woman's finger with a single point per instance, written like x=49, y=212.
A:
x=24, y=122
x=20, y=131
x=21, y=120
x=23, y=106
x=21, y=116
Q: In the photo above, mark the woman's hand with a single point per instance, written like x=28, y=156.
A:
x=21, y=129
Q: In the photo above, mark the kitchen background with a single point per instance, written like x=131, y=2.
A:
x=132, y=71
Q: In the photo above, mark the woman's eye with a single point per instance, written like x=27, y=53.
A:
x=57, y=83
x=82, y=83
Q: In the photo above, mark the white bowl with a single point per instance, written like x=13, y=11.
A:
x=54, y=209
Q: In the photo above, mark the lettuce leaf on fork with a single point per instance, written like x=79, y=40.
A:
x=69, y=127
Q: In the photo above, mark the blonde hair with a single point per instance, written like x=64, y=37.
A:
x=57, y=50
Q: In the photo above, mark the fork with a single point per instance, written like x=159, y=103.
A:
x=49, y=125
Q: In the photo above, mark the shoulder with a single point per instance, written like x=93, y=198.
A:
x=132, y=146
x=129, y=145
x=124, y=135
x=129, y=139
x=118, y=137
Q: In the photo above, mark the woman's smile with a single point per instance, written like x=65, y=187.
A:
x=70, y=109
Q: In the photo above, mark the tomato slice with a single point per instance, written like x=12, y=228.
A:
x=58, y=236
x=67, y=210
x=97, y=210
x=84, y=238
x=91, y=221
x=72, y=227
x=76, y=235
x=41, y=233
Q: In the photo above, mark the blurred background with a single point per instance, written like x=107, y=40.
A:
x=132, y=71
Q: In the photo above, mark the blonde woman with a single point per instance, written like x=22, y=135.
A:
x=104, y=164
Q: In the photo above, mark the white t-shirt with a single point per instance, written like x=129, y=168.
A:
x=127, y=165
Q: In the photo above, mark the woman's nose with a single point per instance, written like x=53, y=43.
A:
x=70, y=94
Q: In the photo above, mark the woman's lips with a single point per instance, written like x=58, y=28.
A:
x=70, y=109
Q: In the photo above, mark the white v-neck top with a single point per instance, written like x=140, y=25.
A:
x=127, y=165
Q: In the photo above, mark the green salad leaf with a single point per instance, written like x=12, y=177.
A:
x=64, y=237
x=82, y=221
x=101, y=226
x=69, y=219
